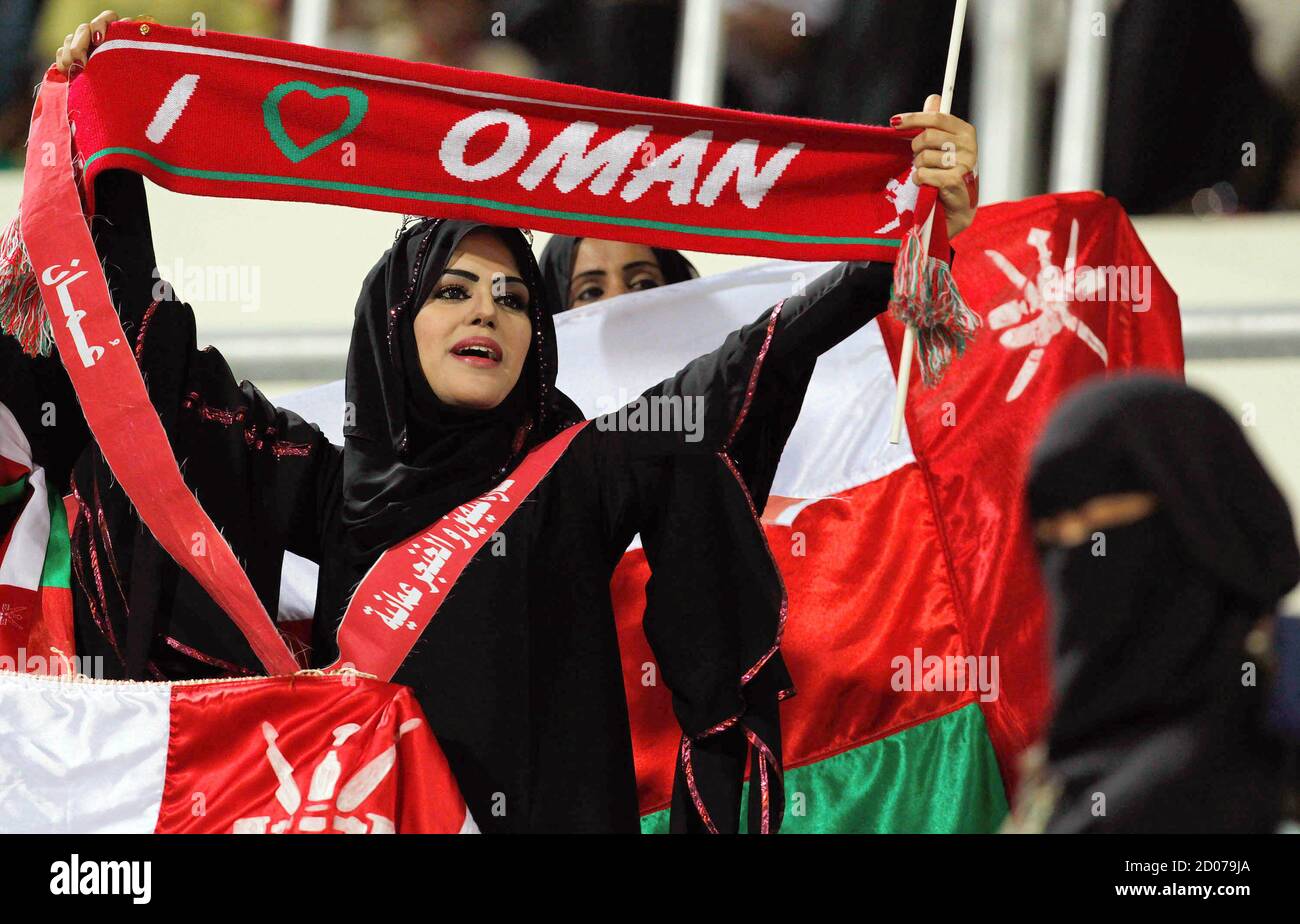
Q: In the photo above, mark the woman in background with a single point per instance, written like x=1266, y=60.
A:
x=581, y=271
x=1165, y=548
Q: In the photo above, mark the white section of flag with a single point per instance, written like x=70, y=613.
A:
x=81, y=757
x=24, y=559
x=630, y=343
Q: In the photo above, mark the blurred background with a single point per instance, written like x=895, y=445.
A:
x=1188, y=113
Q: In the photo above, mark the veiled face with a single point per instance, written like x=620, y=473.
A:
x=474, y=331
x=603, y=269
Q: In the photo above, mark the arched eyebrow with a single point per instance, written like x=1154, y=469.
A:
x=473, y=277
x=648, y=264
x=590, y=272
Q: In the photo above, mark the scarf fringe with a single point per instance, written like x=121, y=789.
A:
x=926, y=297
x=22, y=315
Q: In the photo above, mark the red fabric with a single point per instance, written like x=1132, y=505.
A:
x=20, y=609
x=360, y=139
x=108, y=382
x=11, y=471
x=227, y=738
x=52, y=636
x=871, y=585
x=972, y=439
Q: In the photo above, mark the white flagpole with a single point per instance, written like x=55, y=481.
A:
x=905, y=356
x=700, y=53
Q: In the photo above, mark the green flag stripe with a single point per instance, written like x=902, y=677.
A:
x=939, y=777
x=12, y=491
x=57, y=570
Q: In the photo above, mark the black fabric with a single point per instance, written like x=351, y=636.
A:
x=557, y=268
x=1151, y=711
x=1168, y=70
x=594, y=43
x=835, y=85
x=520, y=673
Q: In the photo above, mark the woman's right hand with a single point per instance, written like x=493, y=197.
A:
x=76, y=47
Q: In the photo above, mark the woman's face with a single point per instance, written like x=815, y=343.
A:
x=603, y=269
x=474, y=331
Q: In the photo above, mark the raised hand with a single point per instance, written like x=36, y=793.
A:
x=947, y=155
x=76, y=47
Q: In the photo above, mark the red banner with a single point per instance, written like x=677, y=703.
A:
x=228, y=115
x=104, y=371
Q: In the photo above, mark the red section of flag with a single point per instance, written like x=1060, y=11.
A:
x=867, y=583
x=11, y=471
x=305, y=755
x=20, y=609
x=52, y=635
x=1067, y=292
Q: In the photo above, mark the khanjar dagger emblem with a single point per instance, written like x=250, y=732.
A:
x=1047, y=296
x=902, y=196
x=325, y=798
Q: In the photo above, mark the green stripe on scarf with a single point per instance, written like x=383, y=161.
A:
x=517, y=209
x=939, y=777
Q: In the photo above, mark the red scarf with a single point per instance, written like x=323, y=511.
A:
x=228, y=115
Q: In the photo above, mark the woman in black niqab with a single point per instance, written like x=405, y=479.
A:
x=1158, y=725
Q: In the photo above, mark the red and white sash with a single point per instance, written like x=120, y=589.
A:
x=402, y=591
x=103, y=370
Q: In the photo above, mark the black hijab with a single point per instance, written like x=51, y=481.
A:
x=1150, y=706
x=557, y=268
x=409, y=458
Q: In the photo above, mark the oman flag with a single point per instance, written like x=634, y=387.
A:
x=917, y=624
x=35, y=594
x=916, y=634
x=300, y=754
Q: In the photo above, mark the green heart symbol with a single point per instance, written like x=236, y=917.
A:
x=357, y=105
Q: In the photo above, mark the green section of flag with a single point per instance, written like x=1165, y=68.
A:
x=13, y=491
x=57, y=570
x=939, y=777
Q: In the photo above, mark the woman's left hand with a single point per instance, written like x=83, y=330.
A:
x=946, y=157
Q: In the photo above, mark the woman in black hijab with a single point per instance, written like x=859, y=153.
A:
x=1164, y=544
x=580, y=271
x=519, y=673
